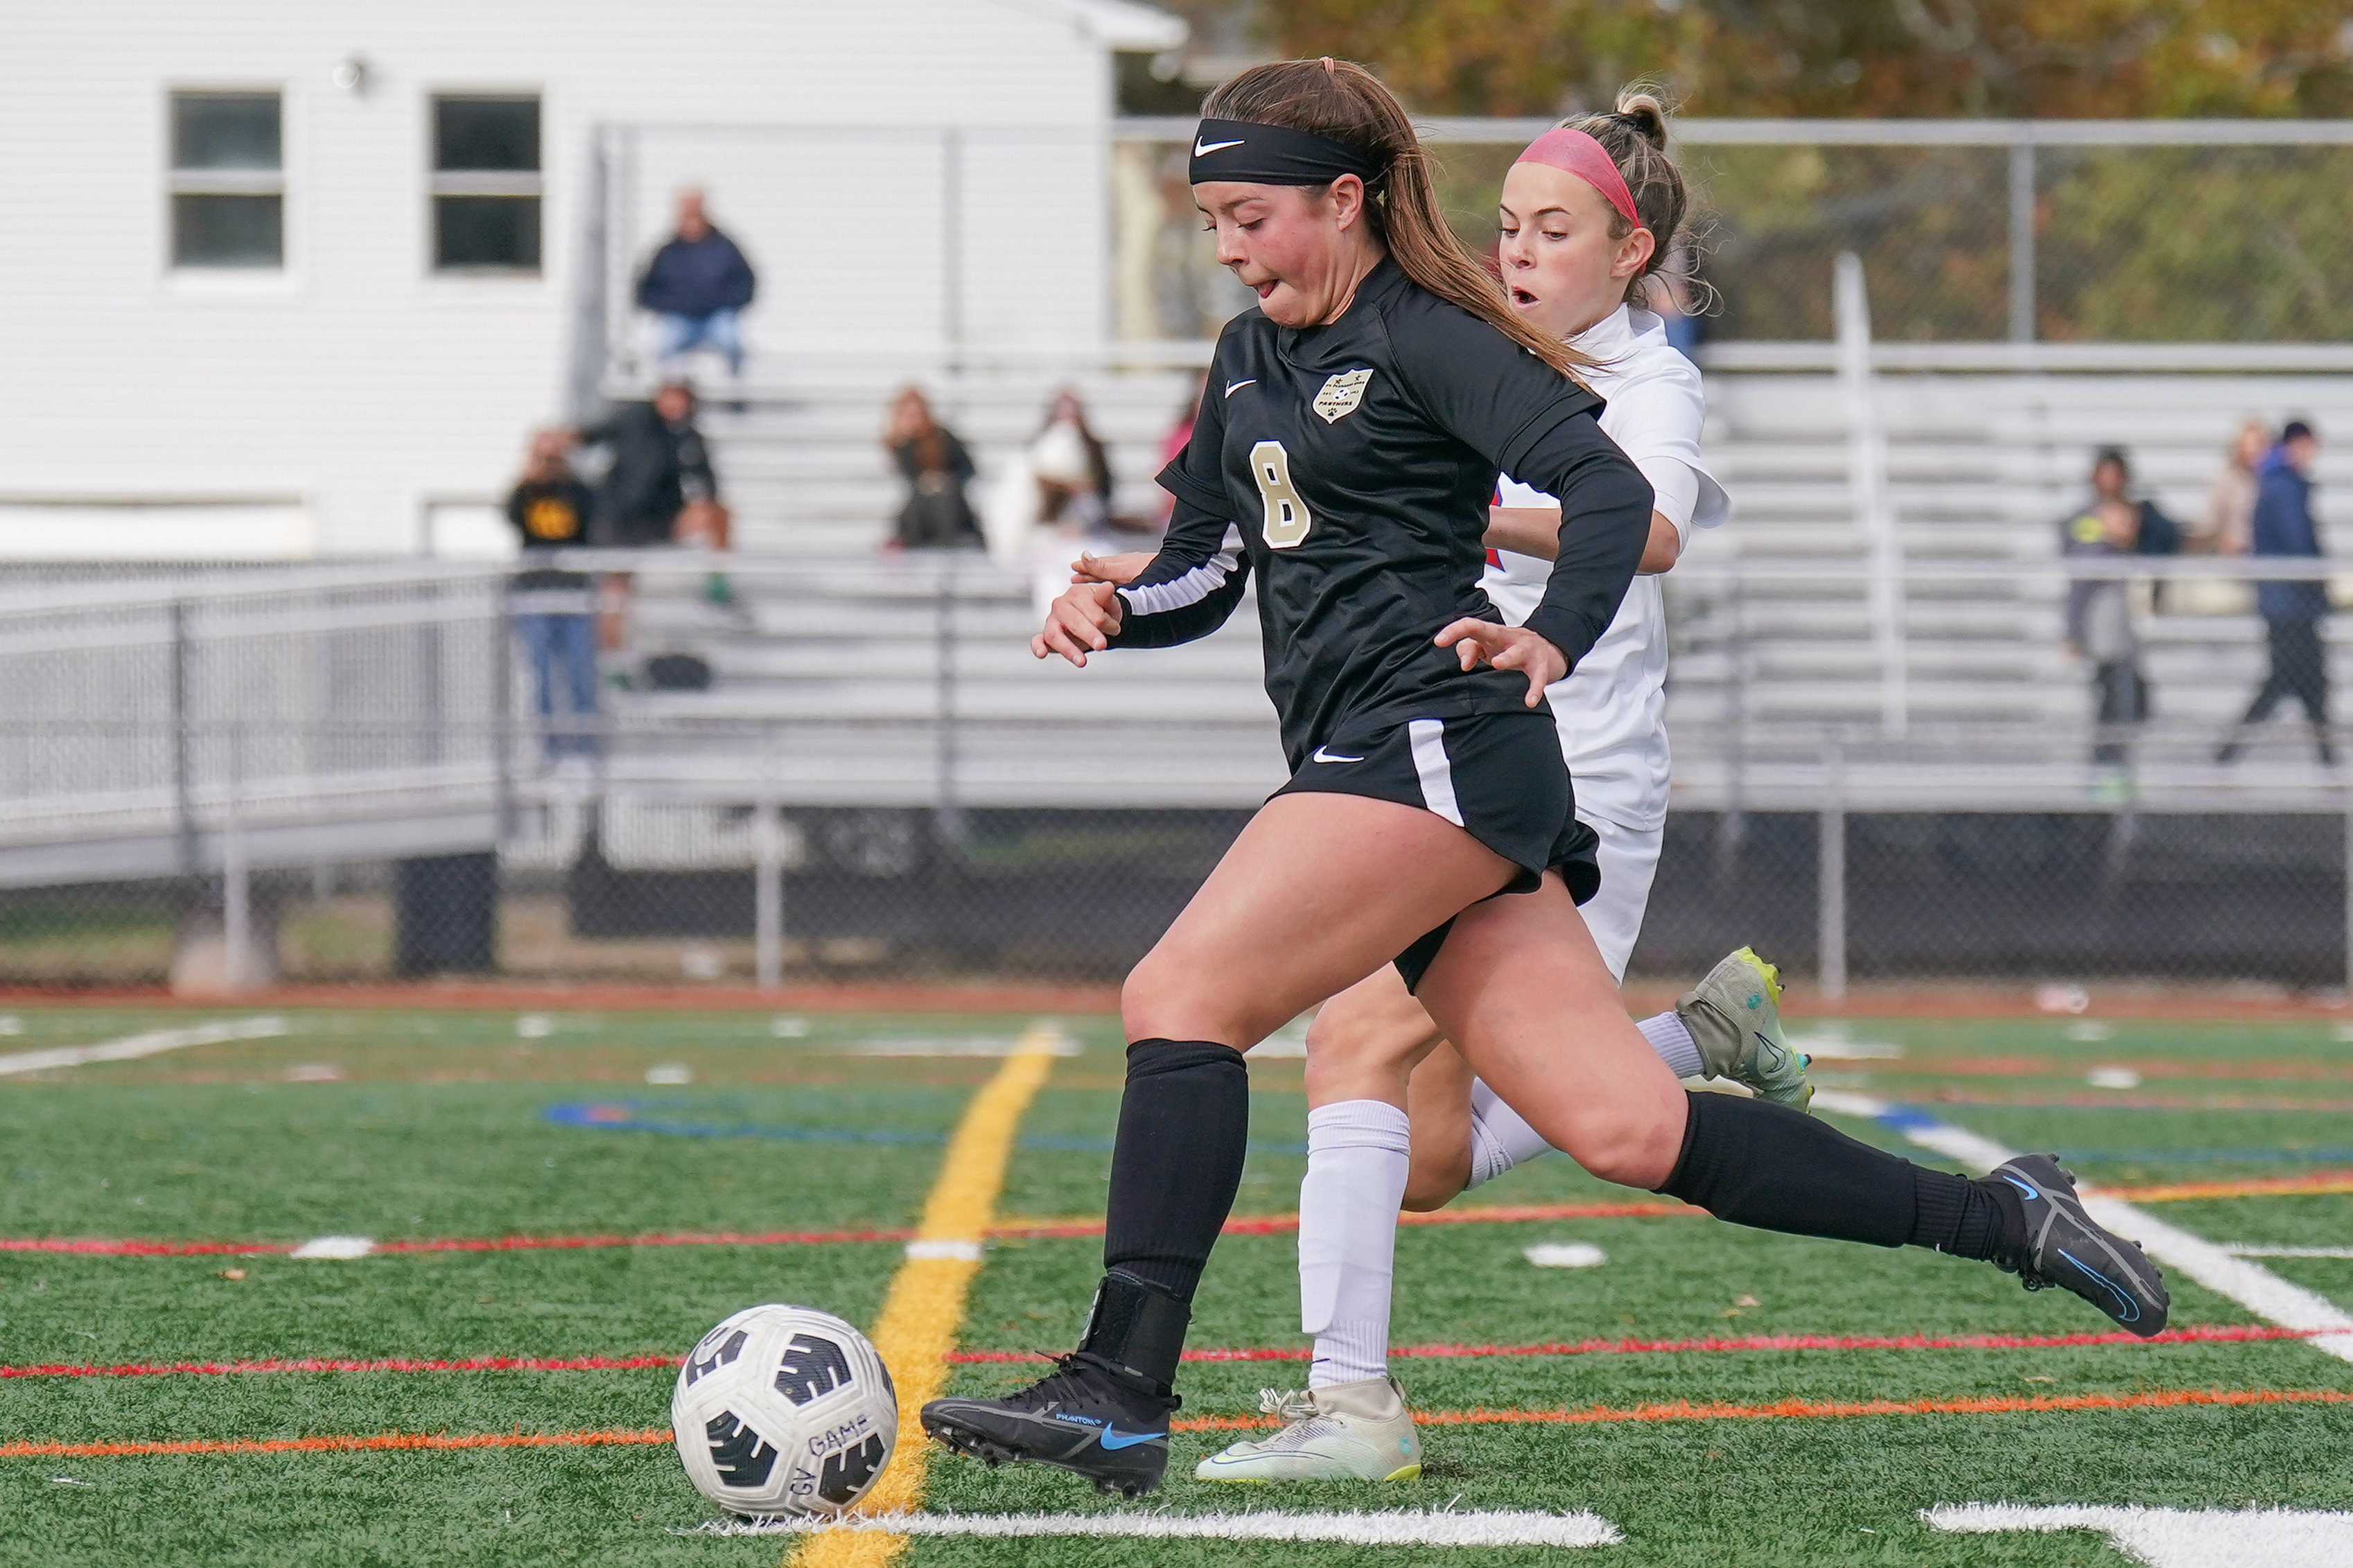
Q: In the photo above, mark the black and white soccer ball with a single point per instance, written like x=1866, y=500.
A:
x=784, y=1410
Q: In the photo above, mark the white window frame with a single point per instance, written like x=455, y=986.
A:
x=179, y=182
x=441, y=183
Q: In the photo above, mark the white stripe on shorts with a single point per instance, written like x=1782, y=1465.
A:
x=1429, y=737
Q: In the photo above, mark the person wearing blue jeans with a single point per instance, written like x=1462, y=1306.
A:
x=697, y=287
x=551, y=608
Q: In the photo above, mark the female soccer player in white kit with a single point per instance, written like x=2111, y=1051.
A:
x=1587, y=214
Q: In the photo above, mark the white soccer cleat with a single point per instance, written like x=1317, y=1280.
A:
x=1347, y=1432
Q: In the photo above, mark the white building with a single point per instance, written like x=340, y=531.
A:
x=281, y=277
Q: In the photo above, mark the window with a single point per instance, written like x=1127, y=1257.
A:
x=486, y=185
x=228, y=180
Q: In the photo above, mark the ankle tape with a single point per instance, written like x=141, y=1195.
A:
x=1136, y=1328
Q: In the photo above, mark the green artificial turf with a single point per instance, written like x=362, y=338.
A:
x=433, y=1125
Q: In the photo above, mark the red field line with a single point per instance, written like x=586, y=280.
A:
x=1679, y=1410
x=1249, y=1225
x=1684, y=1410
x=317, y=1363
x=2215, y=1333
x=346, y=1443
x=2092, y=1100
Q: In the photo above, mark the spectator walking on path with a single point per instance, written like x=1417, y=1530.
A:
x=697, y=285
x=2292, y=612
x=2100, y=627
x=659, y=466
x=937, y=513
x=552, y=607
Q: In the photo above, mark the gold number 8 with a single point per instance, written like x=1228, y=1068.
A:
x=1287, y=517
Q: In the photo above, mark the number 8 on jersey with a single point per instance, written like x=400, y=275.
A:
x=1287, y=517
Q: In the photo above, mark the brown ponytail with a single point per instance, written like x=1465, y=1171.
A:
x=1348, y=104
x=1635, y=137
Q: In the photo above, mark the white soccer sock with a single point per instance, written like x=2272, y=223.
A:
x=1671, y=1038
x=1500, y=1137
x=1358, y=1153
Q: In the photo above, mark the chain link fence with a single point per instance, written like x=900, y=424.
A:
x=327, y=777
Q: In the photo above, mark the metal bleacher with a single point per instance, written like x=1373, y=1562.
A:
x=1775, y=641
x=280, y=716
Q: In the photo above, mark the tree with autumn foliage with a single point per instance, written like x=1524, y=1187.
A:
x=1864, y=58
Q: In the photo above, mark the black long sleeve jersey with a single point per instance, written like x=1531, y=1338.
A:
x=1357, y=461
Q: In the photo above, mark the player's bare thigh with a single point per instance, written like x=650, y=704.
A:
x=1317, y=892
x=1374, y=1041
x=1522, y=992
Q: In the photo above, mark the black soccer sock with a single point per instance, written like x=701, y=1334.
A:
x=1183, y=1124
x=1981, y=1218
x=1758, y=1163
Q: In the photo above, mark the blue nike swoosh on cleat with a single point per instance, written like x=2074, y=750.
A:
x=2131, y=1306
x=1111, y=1439
x=2021, y=1186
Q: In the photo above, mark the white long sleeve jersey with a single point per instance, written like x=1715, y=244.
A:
x=1611, y=709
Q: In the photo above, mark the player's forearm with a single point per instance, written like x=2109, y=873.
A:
x=1182, y=594
x=1535, y=530
x=1606, y=507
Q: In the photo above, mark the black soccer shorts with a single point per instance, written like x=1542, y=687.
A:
x=1497, y=776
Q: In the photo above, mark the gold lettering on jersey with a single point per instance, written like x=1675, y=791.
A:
x=1341, y=394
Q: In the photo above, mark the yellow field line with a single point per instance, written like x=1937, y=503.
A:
x=925, y=1306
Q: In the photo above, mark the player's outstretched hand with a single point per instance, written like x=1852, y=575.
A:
x=1479, y=642
x=1083, y=621
x=1117, y=570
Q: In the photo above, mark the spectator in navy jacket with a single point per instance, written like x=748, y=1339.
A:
x=2291, y=611
x=697, y=287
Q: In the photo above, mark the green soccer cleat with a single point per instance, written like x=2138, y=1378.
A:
x=1347, y=1432
x=1734, y=1018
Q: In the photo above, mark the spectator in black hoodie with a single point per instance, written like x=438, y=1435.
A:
x=697, y=287
x=659, y=464
x=549, y=508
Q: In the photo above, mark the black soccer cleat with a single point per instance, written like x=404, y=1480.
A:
x=2064, y=1247
x=1077, y=1418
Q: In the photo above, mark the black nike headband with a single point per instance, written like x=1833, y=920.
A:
x=1249, y=153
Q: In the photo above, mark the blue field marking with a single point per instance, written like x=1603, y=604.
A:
x=631, y=1116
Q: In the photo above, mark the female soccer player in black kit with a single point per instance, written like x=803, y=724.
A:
x=1352, y=429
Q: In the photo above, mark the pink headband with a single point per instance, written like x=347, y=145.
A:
x=1581, y=155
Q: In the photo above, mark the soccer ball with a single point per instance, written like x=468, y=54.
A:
x=784, y=1410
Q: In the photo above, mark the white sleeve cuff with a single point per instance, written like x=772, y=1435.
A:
x=1677, y=491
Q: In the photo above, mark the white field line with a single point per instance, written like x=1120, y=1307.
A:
x=2244, y=1249
x=2176, y=1538
x=153, y=1043
x=1395, y=1526
x=2251, y=1285
x=1055, y=1043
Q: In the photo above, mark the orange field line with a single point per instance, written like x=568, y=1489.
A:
x=2317, y=1183
x=1685, y=1410
x=1678, y=1410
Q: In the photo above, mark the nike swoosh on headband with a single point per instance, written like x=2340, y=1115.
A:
x=1203, y=149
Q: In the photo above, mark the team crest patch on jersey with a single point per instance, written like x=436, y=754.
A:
x=1341, y=394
